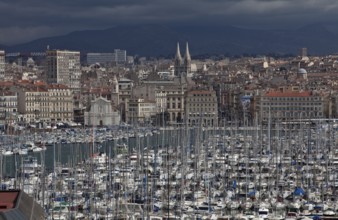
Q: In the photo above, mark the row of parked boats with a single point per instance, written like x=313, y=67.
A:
x=185, y=173
x=25, y=141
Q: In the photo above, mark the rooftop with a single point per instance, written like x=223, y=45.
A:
x=201, y=92
x=17, y=205
x=287, y=94
x=57, y=86
x=8, y=200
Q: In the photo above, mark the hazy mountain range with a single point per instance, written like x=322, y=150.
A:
x=156, y=40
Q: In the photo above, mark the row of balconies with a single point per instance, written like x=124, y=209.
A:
x=291, y=103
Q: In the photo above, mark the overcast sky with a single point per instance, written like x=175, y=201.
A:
x=25, y=20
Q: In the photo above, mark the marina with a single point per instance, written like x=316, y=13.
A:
x=279, y=171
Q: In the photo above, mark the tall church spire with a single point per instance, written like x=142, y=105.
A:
x=187, y=53
x=187, y=60
x=178, y=61
x=178, y=53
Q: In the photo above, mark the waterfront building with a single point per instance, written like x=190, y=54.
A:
x=8, y=108
x=201, y=107
x=39, y=102
x=63, y=67
x=175, y=105
x=2, y=64
x=141, y=111
x=61, y=103
x=101, y=113
x=168, y=96
x=33, y=104
x=291, y=104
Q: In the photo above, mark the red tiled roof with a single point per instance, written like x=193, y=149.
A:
x=100, y=91
x=6, y=83
x=21, y=82
x=39, y=83
x=57, y=86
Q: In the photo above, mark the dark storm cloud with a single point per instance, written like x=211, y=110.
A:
x=23, y=20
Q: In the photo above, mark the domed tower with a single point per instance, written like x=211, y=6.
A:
x=302, y=74
x=187, y=60
x=178, y=61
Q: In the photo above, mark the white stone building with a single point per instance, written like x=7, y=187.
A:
x=101, y=113
x=46, y=103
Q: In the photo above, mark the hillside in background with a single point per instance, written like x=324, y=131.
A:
x=158, y=40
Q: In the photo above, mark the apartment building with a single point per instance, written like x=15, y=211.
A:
x=8, y=107
x=47, y=103
x=175, y=105
x=63, y=67
x=291, y=104
x=201, y=108
x=60, y=102
x=33, y=104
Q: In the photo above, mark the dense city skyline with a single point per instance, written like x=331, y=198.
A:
x=24, y=21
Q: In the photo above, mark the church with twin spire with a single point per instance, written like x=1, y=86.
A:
x=182, y=65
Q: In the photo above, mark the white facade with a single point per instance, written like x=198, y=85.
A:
x=101, y=114
x=61, y=104
x=33, y=105
x=46, y=104
x=63, y=67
